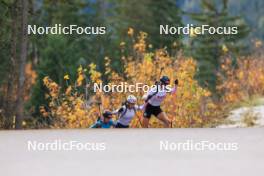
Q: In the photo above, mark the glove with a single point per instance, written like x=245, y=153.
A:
x=176, y=82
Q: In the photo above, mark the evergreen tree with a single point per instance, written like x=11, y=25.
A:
x=207, y=48
x=57, y=55
x=146, y=16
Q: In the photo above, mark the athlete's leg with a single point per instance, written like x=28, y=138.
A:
x=145, y=122
x=147, y=114
x=163, y=117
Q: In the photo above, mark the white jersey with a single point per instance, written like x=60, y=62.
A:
x=157, y=96
x=126, y=114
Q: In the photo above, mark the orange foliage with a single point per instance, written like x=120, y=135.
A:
x=242, y=82
x=75, y=107
x=31, y=76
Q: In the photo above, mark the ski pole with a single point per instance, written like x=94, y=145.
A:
x=139, y=121
x=161, y=70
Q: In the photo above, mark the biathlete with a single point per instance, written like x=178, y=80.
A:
x=127, y=112
x=153, y=99
x=105, y=121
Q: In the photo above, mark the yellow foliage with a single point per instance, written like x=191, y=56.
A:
x=190, y=107
x=66, y=77
x=224, y=48
x=52, y=86
x=130, y=31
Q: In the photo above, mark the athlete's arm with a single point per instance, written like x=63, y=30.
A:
x=174, y=89
x=140, y=108
x=95, y=125
x=149, y=93
x=145, y=96
x=118, y=111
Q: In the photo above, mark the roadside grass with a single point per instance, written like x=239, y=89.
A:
x=250, y=118
x=249, y=102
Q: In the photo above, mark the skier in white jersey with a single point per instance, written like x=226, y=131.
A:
x=127, y=112
x=154, y=98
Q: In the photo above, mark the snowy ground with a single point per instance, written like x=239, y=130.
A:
x=134, y=152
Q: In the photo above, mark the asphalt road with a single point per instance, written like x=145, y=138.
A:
x=134, y=152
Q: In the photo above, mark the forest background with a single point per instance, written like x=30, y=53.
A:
x=45, y=79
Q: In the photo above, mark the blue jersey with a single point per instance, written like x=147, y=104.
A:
x=101, y=124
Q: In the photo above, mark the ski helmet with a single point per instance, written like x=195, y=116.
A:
x=165, y=80
x=107, y=114
x=131, y=99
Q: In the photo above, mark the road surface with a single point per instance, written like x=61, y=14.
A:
x=133, y=152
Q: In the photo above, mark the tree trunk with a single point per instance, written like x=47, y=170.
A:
x=21, y=66
x=10, y=98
